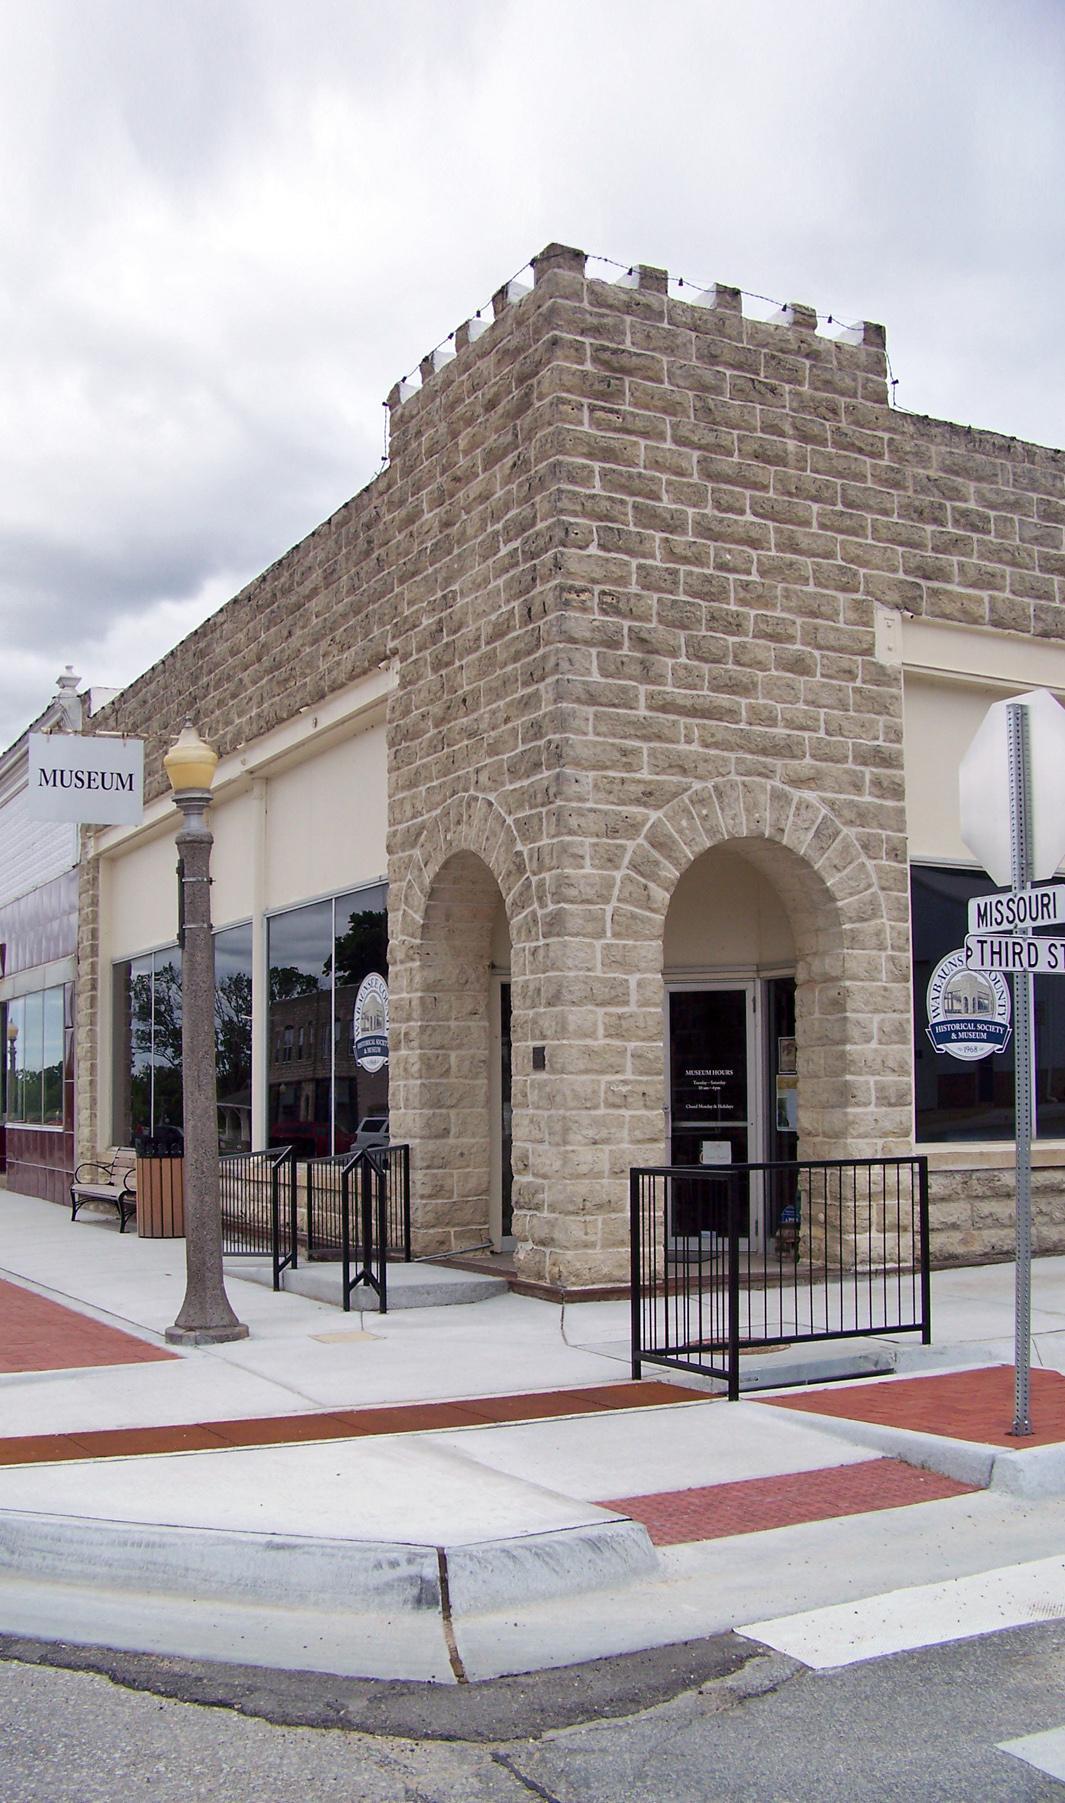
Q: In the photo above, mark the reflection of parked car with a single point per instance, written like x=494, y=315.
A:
x=234, y=1128
x=373, y=1131
x=165, y=1142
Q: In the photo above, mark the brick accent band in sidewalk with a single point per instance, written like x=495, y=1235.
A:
x=339, y=1424
x=960, y=1405
x=719, y=1510
x=37, y=1334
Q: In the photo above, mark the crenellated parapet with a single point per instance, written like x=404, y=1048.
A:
x=713, y=311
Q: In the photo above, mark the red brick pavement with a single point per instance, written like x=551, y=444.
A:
x=720, y=1510
x=39, y=1335
x=961, y=1405
x=339, y=1424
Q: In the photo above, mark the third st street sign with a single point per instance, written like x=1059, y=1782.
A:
x=1007, y=952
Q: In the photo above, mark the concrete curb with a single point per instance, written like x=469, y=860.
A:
x=1039, y=1471
x=497, y=1573
x=1035, y=1471
x=962, y=1460
x=285, y=1570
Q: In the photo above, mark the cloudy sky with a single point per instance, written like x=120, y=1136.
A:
x=228, y=226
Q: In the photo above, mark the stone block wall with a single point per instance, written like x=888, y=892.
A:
x=973, y=1211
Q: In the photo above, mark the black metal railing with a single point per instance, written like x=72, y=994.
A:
x=325, y=1188
x=364, y=1224
x=258, y=1195
x=846, y=1254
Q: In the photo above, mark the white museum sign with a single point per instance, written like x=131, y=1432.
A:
x=97, y=782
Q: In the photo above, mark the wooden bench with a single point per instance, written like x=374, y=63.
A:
x=116, y=1183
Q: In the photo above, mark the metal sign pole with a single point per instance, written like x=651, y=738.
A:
x=1020, y=850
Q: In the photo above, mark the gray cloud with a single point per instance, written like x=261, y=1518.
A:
x=226, y=230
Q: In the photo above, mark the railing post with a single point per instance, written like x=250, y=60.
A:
x=667, y=1223
x=926, y=1268
x=275, y=1224
x=345, y=1237
x=733, y=1286
x=380, y=1174
x=635, y=1285
x=366, y=1212
x=405, y=1166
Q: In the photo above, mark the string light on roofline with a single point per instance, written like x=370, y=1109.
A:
x=631, y=269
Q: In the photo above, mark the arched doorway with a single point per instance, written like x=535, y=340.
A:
x=729, y=969
x=455, y=1088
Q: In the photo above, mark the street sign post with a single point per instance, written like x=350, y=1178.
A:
x=1013, y=819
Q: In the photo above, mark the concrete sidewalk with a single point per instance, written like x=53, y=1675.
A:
x=541, y=1510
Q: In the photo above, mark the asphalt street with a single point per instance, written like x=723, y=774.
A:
x=927, y=1725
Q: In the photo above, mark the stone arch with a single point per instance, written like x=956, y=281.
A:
x=850, y=922
x=464, y=877
x=470, y=823
x=826, y=864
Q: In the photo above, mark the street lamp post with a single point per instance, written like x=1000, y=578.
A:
x=205, y=1317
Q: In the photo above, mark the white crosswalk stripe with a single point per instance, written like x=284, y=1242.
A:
x=926, y=1615
x=1046, y=1752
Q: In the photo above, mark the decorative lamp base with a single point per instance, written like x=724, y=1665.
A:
x=206, y=1336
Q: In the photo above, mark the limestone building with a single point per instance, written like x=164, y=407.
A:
x=617, y=723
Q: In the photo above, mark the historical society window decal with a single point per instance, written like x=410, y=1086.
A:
x=968, y=1010
x=370, y=1023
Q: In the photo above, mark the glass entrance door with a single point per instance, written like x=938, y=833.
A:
x=712, y=1095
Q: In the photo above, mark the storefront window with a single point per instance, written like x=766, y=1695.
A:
x=147, y=1049
x=360, y=949
x=319, y=1088
x=966, y=1097
x=232, y=1016
x=299, y=950
x=33, y=1044
x=52, y=1058
x=319, y=955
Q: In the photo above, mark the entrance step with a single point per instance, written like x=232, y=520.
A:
x=409, y=1286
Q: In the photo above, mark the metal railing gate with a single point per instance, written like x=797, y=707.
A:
x=358, y=1210
x=850, y=1258
x=324, y=1191
x=258, y=1197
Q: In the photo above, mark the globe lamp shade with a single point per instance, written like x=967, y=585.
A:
x=190, y=763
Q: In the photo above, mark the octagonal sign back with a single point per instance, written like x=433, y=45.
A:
x=984, y=789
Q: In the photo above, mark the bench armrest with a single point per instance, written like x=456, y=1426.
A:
x=93, y=1164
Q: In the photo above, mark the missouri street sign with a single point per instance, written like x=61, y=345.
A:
x=1022, y=908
